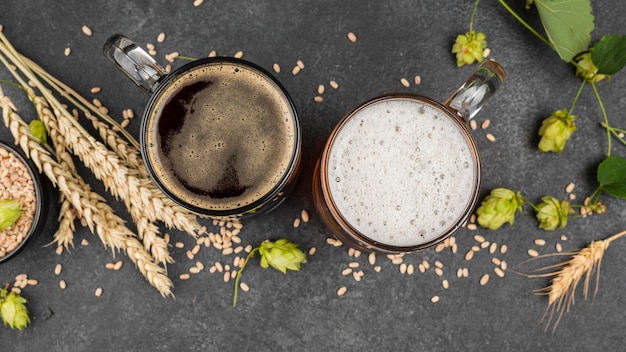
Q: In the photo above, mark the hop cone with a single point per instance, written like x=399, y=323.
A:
x=556, y=131
x=281, y=255
x=587, y=70
x=552, y=213
x=13, y=310
x=469, y=47
x=10, y=211
x=499, y=207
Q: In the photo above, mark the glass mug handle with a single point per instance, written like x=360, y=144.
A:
x=470, y=97
x=135, y=62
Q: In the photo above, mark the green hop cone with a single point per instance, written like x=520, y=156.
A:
x=556, y=130
x=38, y=130
x=10, y=211
x=552, y=213
x=499, y=207
x=587, y=70
x=469, y=47
x=13, y=310
x=281, y=255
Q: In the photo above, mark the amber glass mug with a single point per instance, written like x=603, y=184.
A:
x=402, y=172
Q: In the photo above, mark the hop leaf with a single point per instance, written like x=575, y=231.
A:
x=499, y=207
x=281, y=255
x=552, y=213
x=13, y=310
x=469, y=47
x=556, y=130
x=10, y=211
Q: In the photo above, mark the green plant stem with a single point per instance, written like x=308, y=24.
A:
x=571, y=109
x=604, y=116
x=471, y=26
x=520, y=20
x=616, y=132
x=239, y=274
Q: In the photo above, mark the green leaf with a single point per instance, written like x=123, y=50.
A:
x=609, y=54
x=568, y=24
x=612, y=176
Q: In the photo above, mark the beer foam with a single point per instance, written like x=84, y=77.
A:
x=225, y=136
x=401, y=172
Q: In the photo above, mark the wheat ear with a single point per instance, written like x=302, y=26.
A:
x=91, y=207
x=565, y=279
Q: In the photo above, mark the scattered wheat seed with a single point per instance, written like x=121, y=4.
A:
x=473, y=125
x=572, y=196
x=341, y=291
x=410, y=269
x=438, y=272
x=351, y=37
x=276, y=68
x=109, y=266
x=212, y=53
x=533, y=253
x=503, y=249
x=479, y=238
x=353, y=264
x=356, y=276
x=312, y=250
x=477, y=248
x=426, y=264
x=485, y=124
x=397, y=261
x=194, y=270
x=405, y=82
x=334, y=84
x=320, y=89
x=445, y=284
x=435, y=299
x=472, y=227
x=484, y=279
x=244, y=287
x=95, y=90
x=161, y=37
x=558, y=247
x=540, y=242
x=371, y=258
x=295, y=70
x=490, y=137
x=570, y=187
x=503, y=265
x=563, y=237
x=496, y=261
x=239, y=54
x=318, y=99
x=87, y=31
x=465, y=272
x=227, y=251
x=493, y=247
x=417, y=79
x=486, y=52
x=62, y=284
x=300, y=64
x=469, y=255
x=67, y=51
x=57, y=269
x=346, y=271
x=184, y=276
x=459, y=272
x=377, y=268
x=32, y=282
x=440, y=247
x=59, y=250
x=438, y=264
x=498, y=271
x=402, y=268
x=197, y=3
x=84, y=242
x=421, y=268
x=98, y=292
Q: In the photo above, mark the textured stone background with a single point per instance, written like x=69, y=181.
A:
x=300, y=311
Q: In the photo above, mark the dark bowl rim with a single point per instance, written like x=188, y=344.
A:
x=39, y=196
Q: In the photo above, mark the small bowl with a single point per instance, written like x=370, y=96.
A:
x=39, y=199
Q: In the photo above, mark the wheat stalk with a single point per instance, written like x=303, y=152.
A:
x=565, y=279
x=90, y=206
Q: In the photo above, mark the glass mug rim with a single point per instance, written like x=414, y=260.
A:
x=349, y=231
x=290, y=171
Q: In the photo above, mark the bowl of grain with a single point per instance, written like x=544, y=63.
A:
x=19, y=182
